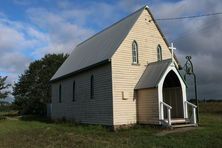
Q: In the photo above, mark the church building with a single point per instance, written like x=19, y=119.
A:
x=126, y=74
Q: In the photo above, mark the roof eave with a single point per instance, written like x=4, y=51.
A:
x=153, y=87
x=163, y=36
x=81, y=70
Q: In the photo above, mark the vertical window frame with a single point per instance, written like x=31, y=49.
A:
x=60, y=93
x=74, y=91
x=135, y=54
x=92, y=87
x=159, y=53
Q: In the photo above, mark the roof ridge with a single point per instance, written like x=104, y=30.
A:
x=144, y=7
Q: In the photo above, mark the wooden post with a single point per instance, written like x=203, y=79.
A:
x=169, y=116
x=161, y=111
x=194, y=116
x=186, y=110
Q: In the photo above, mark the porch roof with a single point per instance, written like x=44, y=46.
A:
x=153, y=74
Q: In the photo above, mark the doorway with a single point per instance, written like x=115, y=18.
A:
x=172, y=95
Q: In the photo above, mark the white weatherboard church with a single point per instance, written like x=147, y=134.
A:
x=123, y=75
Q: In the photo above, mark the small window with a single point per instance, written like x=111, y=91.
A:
x=92, y=87
x=74, y=91
x=60, y=93
x=159, y=53
x=135, y=53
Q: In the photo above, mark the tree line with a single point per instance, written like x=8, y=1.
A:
x=32, y=91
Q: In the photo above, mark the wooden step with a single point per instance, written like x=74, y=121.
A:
x=183, y=125
x=178, y=121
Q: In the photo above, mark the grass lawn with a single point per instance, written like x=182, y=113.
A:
x=15, y=132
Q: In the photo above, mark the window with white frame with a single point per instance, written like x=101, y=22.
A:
x=159, y=53
x=135, y=59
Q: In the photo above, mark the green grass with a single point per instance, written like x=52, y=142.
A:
x=40, y=133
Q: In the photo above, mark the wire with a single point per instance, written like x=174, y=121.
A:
x=185, y=33
x=188, y=17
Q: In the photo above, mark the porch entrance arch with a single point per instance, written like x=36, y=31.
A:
x=161, y=91
x=172, y=95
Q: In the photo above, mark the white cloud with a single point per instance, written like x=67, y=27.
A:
x=37, y=34
x=14, y=62
x=17, y=39
x=62, y=35
x=9, y=37
x=15, y=35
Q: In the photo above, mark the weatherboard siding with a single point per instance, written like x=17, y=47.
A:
x=84, y=109
x=147, y=106
x=125, y=75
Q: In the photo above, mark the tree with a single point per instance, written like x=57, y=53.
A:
x=3, y=86
x=32, y=91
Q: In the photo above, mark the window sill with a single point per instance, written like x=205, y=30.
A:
x=135, y=64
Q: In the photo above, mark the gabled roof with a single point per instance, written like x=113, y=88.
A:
x=98, y=48
x=152, y=74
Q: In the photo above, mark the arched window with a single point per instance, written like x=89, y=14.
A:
x=135, y=53
x=73, y=91
x=92, y=87
x=159, y=53
x=60, y=93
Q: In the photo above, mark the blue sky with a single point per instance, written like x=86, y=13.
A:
x=31, y=28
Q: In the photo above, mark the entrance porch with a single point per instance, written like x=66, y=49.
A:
x=161, y=96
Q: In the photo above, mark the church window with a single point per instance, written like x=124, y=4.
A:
x=60, y=93
x=135, y=53
x=159, y=53
x=92, y=87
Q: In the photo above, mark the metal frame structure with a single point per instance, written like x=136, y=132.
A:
x=188, y=68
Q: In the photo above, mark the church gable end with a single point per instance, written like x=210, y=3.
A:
x=125, y=74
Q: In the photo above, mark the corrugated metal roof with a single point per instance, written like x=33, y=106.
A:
x=99, y=47
x=153, y=74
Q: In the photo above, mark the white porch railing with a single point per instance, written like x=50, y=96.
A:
x=193, y=117
x=162, y=104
